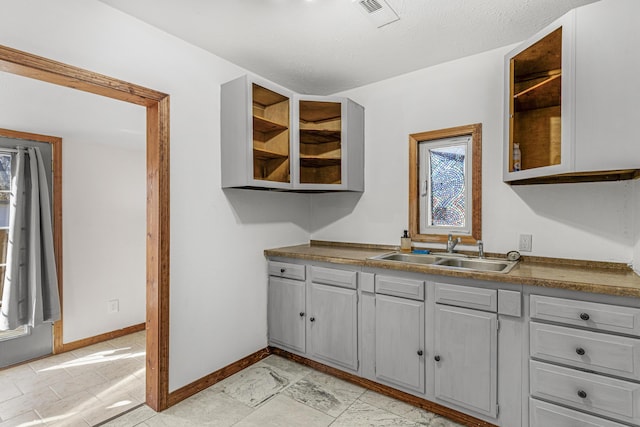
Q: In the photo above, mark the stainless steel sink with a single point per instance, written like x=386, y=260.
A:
x=411, y=258
x=453, y=261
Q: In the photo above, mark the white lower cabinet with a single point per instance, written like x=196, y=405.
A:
x=399, y=342
x=581, y=363
x=333, y=325
x=543, y=414
x=466, y=343
x=286, y=313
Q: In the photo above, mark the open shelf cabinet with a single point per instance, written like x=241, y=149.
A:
x=271, y=139
x=535, y=103
x=275, y=139
x=320, y=127
x=570, y=99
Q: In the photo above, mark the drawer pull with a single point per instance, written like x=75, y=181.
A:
x=582, y=394
x=312, y=319
x=282, y=270
x=580, y=351
x=302, y=314
x=437, y=358
x=584, y=316
x=420, y=353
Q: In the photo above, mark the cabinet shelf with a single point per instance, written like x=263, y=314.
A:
x=319, y=162
x=543, y=94
x=267, y=126
x=264, y=154
x=319, y=136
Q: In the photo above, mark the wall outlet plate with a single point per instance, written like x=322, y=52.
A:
x=525, y=242
x=113, y=306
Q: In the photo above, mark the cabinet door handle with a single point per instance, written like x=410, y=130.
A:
x=302, y=314
x=312, y=319
x=582, y=394
x=282, y=270
x=580, y=351
x=584, y=316
x=437, y=358
x=420, y=353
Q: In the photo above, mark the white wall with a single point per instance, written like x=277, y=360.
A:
x=218, y=292
x=583, y=221
x=104, y=226
x=636, y=225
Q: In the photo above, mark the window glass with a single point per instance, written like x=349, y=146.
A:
x=447, y=186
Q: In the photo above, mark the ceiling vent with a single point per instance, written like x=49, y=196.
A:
x=378, y=11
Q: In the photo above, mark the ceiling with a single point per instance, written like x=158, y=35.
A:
x=326, y=46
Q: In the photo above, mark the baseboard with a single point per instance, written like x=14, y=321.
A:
x=74, y=345
x=217, y=376
x=449, y=413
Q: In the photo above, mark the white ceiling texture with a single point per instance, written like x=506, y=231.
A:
x=326, y=46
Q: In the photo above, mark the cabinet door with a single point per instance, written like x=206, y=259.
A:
x=286, y=313
x=333, y=325
x=399, y=342
x=466, y=358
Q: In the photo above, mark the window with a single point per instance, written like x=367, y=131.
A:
x=5, y=193
x=445, y=184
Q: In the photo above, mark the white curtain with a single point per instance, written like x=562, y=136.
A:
x=30, y=294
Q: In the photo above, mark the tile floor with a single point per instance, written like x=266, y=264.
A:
x=278, y=392
x=81, y=388
x=92, y=385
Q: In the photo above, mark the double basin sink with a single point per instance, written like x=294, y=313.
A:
x=452, y=261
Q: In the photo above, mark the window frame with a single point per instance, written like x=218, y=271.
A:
x=475, y=199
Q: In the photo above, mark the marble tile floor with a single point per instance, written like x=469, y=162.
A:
x=278, y=392
x=81, y=388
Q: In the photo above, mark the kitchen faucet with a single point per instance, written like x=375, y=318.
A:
x=451, y=243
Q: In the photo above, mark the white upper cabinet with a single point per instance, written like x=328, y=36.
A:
x=570, y=98
x=272, y=138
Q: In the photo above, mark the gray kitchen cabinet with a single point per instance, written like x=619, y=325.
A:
x=570, y=96
x=333, y=325
x=399, y=342
x=465, y=357
x=271, y=141
x=286, y=313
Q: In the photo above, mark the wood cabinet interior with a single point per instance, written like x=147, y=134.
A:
x=535, y=103
x=270, y=135
x=320, y=142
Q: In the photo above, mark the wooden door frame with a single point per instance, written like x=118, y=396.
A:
x=158, y=208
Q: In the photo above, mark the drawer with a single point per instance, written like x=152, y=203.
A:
x=334, y=277
x=594, y=351
x=609, y=397
x=605, y=317
x=466, y=296
x=543, y=414
x=404, y=288
x=287, y=270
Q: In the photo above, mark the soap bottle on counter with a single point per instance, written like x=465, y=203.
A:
x=405, y=242
x=517, y=157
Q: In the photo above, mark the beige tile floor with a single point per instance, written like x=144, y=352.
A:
x=92, y=385
x=82, y=388
x=278, y=392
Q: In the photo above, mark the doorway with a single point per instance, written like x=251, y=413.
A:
x=26, y=343
x=158, y=209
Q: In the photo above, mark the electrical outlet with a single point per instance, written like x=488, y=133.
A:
x=524, y=243
x=113, y=306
